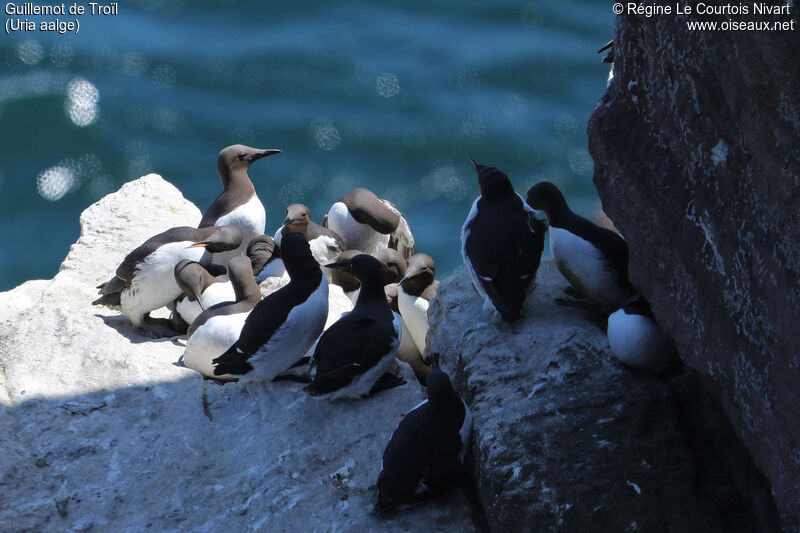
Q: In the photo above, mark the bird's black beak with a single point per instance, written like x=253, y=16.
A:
x=474, y=163
x=264, y=153
x=606, y=46
x=344, y=267
x=201, y=244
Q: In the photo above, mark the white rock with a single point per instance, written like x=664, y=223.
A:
x=100, y=430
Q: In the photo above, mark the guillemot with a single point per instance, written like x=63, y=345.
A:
x=238, y=202
x=368, y=223
x=637, y=340
x=265, y=257
x=502, y=243
x=358, y=349
x=326, y=244
x=145, y=279
x=216, y=329
x=200, y=289
x=593, y=259
x=414, y=293
x=426, y=454
x=285, y=324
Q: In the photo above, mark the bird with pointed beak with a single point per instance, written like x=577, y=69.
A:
x=238, y=202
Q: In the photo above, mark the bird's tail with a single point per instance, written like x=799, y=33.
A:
x=234, y=361
x=111, y=299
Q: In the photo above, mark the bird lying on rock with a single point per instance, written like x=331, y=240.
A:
x=265, y=258
x=200, y=289
x=368, y=223
x=145, y=279
x=502, y=243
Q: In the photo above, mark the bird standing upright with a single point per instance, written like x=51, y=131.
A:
x=414, y=293
x=285, y=324
x=238, y=202
x=502, y=243
x=426, y=453
x=358, y=349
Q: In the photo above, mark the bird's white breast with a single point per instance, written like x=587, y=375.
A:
x=293, y=338
x=211, y=340
x=214, y=294
x=414, y=310
x=251, y=219
x=639, y=342
x=584, y=266
x=465, y=232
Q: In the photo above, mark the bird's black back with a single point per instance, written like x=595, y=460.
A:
x=352, y=345
x=505, y=244
x=263, y=321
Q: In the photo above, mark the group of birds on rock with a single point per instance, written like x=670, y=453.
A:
x=502, y=243
x=209, y=276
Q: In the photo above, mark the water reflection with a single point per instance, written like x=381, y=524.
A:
x=81, y=104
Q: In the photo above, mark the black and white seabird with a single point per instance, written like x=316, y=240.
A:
x=426, y=453
x=502, y=243
x=146, y=280
x=265, y=258
x=237, y=203
x=368, y=223
x=637, y=340
x=285, y=324
x=394, y=269
x=326, y=244
x=593, y=259
x=216, y=329
x=200, y=289
x=414, y=292
x=358, y=349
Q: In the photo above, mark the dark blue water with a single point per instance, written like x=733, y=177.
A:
x=387, y=95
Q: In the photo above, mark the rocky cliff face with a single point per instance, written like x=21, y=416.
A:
x=697, y=159
x=565, y=438
x=100, y=431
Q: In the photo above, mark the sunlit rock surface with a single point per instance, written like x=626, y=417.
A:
x=697, y=150
x=101, y=431
x=565, y=437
